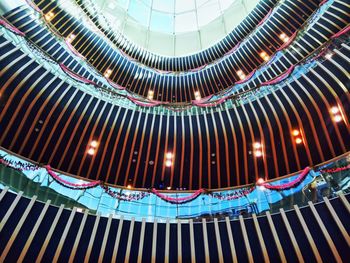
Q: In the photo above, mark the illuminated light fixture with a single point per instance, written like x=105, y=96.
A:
x=264, y=56
x=257, y=145
x=338, y=118
x=298, y=140
x=129, y=186
x=150, y=94
x=71, y=37
x=197, y=95
x=91, y=151
x=94, y=144
x=108, y=73
x=168, y=188
x=168, y=163
x=334, y=110
x=295, y=132
x=240, y=74
x=258, y=153
x=169, y=155
x=49, y=16
x=284, y=37
x=260, y=181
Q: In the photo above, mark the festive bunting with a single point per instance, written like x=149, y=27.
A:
x=11, y=27
x=336, y=169
x=198, y=68
x=74, y=75
x=64, y=182
x=178, y=200
x=210, y=103
x=152, y=103
x=233, y=49
x=288, y=185
x=265, y=18
x=342, y=32
x=34, y=6
x=115, y=85
x=278, y=79
x=73, y=50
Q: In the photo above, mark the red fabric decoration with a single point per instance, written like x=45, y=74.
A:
x=34, y=6
x=265, y=18
x=210, y=103
x=11, y=27
x=69, y=184
x=198, y=69
x=76, y=76
x=73, y=50
x=144, y=104
x=115, y=85
x=341, y=32
x=289, y=185
x=336, y=170
x=323, y=2
x=179, y=200
x=233, y=49
x=279, y=79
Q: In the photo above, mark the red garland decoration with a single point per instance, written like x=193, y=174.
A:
x=288, y=185
x=179, y=200
x=73, y=50
x=210, y=103
x=323, y=2
x=69, y=184
x=11, y=28
x=280, y=78
x=336, y=170
x=114, y=85
x=152, y=103
x=265, y=18
x=34, y=6
x=74, y=75
x=198, y=68
x=341, y=32
x=233, y=49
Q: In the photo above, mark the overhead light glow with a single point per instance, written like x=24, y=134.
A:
x=258, y=153
x=94, y=144
x=295, y=132
x=257, y=145
x=284, y=37
x=334, y=110
x=49, y=16
x=169, y=155
x=298, y=140
x=91, y=151
x=338, y=118
x=168, y=163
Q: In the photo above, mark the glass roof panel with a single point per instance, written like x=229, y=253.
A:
x=169, y=18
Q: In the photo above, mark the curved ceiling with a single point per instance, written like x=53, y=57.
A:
x=175, y=28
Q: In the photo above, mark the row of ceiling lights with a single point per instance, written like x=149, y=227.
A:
x=257, y=146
